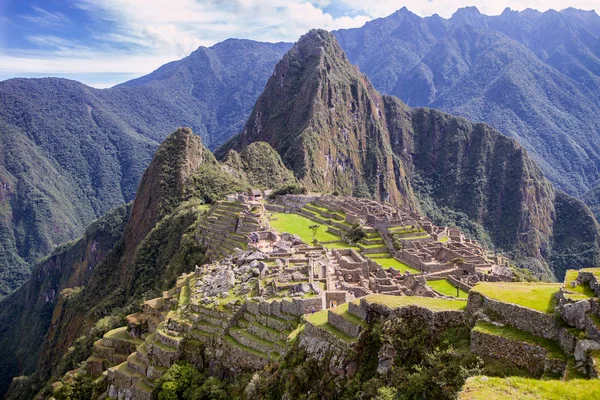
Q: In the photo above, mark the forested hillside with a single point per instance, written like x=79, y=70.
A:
x=533, y=76
x=69, y=153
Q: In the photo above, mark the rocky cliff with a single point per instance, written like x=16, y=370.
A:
x=327, y=122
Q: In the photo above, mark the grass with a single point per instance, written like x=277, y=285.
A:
x=247, y=349
x=184, y=296
x=343, y=312
x=292, y=336
x=445, y=287
x=319, y=319
x=121, y=334
x=536, y=296
x=444, y=239
x=298, y=225
x=509, y=332
x=425, y=302
x=341, y=245
x=395, y=264
x=579, y=292
x=489, y=388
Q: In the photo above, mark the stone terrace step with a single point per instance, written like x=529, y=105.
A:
x=536, y=354
x=346, y=322
x=233, y=342
x=266, y=332
x=135, y=364
x=251, y=340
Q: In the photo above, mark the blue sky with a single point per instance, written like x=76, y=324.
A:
x=104, y=42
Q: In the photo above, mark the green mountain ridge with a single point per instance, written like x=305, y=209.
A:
x=70, y=153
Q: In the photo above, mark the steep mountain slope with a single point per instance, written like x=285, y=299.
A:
x=26, y=315
x=326, y=120
x=69, y=153
x=533, y=76
x=132, y=254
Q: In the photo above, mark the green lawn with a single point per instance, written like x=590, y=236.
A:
x=433, y=304
x=121, y=334
x=579, y=292
x=537, y=296
x=298, y=225
x=319, y=319
x=490, y=388
x=343, y=312
x=509, y=332
x=392, y=262
x=446, y=287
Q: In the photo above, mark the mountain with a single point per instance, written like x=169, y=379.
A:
x=133, y=253
x=438, y=163
x=533, y=76
x=69, y=153
x=337, y=133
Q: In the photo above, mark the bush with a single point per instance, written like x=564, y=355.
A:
x=288, y=189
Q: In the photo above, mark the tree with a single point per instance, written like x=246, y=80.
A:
x=314, y=228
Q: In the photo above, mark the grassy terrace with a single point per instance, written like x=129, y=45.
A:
x=298, y=225
x=490, y=388
x=121, y=334
x=445, y=287
x=536, y=296
x=343, y=312
x=579, y=292
x=392, y=262
x=554, y=350
x=425, y=302
x=247, y=349
x=319, y=319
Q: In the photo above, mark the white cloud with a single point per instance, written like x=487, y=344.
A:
x=158, y=31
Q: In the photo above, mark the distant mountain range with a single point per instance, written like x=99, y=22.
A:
x=69, y=153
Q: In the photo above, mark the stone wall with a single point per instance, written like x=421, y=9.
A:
x=343, y=324
x=524, y=355
x=438, y=320
x=532, y=321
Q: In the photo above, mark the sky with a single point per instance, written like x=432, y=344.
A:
x=105, y=42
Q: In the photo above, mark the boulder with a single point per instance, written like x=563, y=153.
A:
x=583, y=346
x=574, y=314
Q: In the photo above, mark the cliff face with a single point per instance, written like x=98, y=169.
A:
x=26, y=315
x=163, y=184
x=328, y=124
x=260, y=165
x=473, y=169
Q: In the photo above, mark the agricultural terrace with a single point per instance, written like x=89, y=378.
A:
x=490, y=388
x=433, y=304
x=299, y=225
x=536, y=296
x=444, y=287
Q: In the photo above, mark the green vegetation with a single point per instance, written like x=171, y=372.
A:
x=509, y=332
x=487, y=388
x=537, y=296
x=444, y=286
x=387, y=262
x=211, y=183
x=184, y=381
x=288, y=189
x=319, y=319
x=579, y=292
x=342, y=311
x=299, y=225
x=433, y=304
